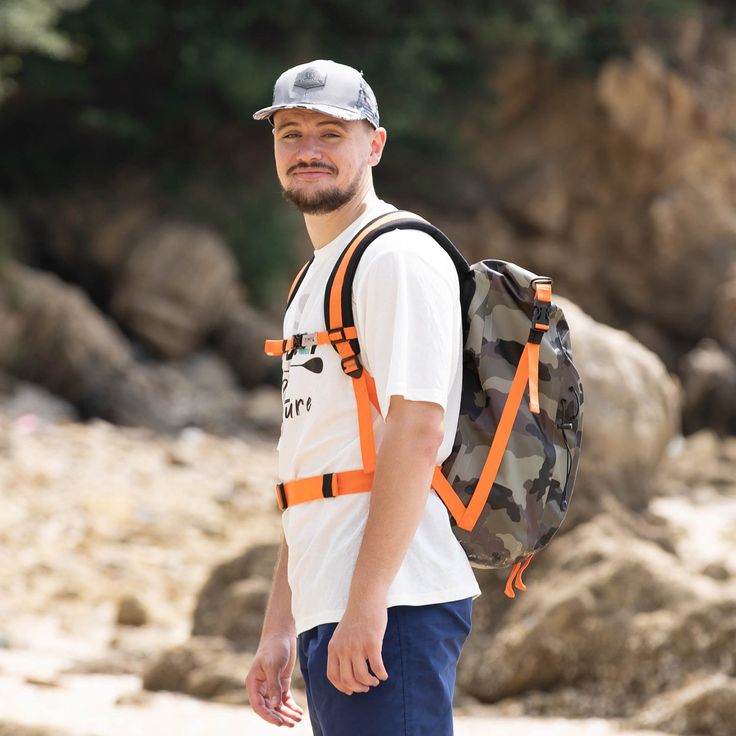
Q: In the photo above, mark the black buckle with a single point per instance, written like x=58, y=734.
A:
x=354, y=371
x=327, y=485
x=541, y=312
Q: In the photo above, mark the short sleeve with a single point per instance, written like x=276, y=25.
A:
x=407, y=312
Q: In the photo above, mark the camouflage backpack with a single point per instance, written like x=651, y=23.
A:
x=508, y=481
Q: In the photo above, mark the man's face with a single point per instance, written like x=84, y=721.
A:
x=323, y=162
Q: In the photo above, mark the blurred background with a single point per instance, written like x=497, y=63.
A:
x=145, y=252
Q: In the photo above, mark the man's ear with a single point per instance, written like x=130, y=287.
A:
x=378, y=142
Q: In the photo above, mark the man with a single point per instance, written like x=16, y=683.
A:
x=372, y=588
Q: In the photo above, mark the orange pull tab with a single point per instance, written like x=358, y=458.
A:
x=509, y=589
x=519, y=582
x=515, y=577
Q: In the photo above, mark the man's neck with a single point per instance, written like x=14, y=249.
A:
x=323, y=229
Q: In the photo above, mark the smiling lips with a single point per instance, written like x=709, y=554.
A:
x=311, y=173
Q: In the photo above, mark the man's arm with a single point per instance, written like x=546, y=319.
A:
x=404, y=466
x=269, y=679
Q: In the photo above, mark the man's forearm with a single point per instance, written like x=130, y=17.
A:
x=279, y=619
x=404, y=467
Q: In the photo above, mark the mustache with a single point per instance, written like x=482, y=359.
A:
x=298, y=167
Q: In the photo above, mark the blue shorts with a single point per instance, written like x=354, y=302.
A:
x=421, y=649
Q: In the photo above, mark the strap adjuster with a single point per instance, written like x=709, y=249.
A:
x=540, y=321
x=337, y=335
x=541, y=313
x=281, y=495
x=304, y=340
x=327, y=490
x=352, y=366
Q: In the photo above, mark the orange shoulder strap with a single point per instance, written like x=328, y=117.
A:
x=339, y=290
x=339, y=311
x=297, y=282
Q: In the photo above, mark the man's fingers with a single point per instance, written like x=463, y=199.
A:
x=289, y=700
x=375, y=660
x=256, y=687
x=262, y=708
x=348, y=677
x=291, y=711
x=360, y=669
x=333, y=671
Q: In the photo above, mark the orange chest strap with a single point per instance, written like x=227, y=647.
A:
x=276, y=348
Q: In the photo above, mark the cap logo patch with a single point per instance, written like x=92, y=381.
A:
x=310, y=78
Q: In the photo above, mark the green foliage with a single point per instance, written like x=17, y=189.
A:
x=171, y=86
x=11, y=235
x=28, y=25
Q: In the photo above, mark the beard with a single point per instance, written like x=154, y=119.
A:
x=324, y=201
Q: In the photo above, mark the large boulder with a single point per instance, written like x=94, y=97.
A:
x=175, y=286
x=620, y=188
x=706, y=707
x=233, y=600
x=631, y=415
x=240, y=338
x=51, y=334
x=203, y=667
x=609, y=616
x=57, y=338
x=709, y=384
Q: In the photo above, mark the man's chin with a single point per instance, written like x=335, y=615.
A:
x=318, y=203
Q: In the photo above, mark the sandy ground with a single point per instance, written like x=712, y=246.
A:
x=91, y=513
x=86, y=706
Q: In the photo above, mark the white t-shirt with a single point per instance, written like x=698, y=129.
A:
x=407, y=313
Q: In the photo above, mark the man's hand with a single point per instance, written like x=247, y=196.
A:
x=357, y=638
x=269, y=682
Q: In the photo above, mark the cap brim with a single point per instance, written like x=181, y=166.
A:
x=335, y=112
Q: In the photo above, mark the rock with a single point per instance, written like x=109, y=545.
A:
x=705, y=707
x=201, y=391
x=651, y=105
x=176, y=285
x=709, y=385
x=131, y=612
x=56, y=319
x=243, y=609
x=538, y=199
x=17, y=729
x=621, y=189
x=29, y=399
x=51, y=682
x=203, y=667
x=240, y=338
x=91, y=233
x=233, y=600
x=724, y=325
x=717, y=571
x=631, y=414
x=632, y=599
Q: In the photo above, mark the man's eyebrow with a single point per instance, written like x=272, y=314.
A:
x=285, y=124
x=336, y=123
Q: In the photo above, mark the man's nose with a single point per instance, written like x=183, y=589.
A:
x=309, y=149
